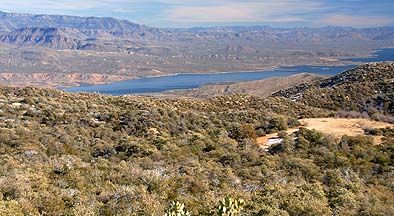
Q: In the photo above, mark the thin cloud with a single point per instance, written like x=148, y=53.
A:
x=186, y=13
x=245, y=11
x=354, y=21
x=64, y=5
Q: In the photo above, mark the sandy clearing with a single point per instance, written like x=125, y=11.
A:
x=336, y=127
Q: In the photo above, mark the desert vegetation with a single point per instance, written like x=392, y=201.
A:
x=90, y=154
x=366, y=90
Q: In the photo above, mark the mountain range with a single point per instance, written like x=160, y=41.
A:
x=60, y=46
x=72, y=32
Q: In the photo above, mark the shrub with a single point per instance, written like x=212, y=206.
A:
x=177, y=209
x=230, y=207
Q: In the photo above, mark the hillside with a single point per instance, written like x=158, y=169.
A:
x=123, y=153
x=367, y=89
x=90, y=154
x=261, y=88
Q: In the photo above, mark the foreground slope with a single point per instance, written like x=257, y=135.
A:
x=89, y=154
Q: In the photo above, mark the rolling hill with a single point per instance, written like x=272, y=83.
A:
x=367, y=89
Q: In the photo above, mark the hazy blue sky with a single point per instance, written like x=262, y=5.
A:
x=187, y=13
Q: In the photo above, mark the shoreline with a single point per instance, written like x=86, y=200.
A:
x=14, y=79
x=265, y=69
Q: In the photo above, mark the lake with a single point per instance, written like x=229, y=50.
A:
x=188, y=81
x=379, y=56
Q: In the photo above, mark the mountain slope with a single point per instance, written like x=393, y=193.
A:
x=47, y=37
x=368, y=88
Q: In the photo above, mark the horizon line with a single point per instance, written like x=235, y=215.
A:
x=195, y=27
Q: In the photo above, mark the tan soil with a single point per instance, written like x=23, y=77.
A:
x=336, y=127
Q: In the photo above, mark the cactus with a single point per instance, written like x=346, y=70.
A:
x=177, y=209
x=230, y=207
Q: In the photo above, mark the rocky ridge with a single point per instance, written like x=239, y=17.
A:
x=367, y=89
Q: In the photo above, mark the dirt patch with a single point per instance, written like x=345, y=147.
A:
x=264, y=141
x=336, y=127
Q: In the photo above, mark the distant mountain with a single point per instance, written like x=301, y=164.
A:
x=113, y=29
x=66, y=32
x=47, y=37
x=13, y=21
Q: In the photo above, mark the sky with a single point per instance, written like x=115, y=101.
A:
x=196, y=13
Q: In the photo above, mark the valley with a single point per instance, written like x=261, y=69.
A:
x=63, y=45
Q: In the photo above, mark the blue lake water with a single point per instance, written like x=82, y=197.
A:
x=188, y=81
x=379, y=56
